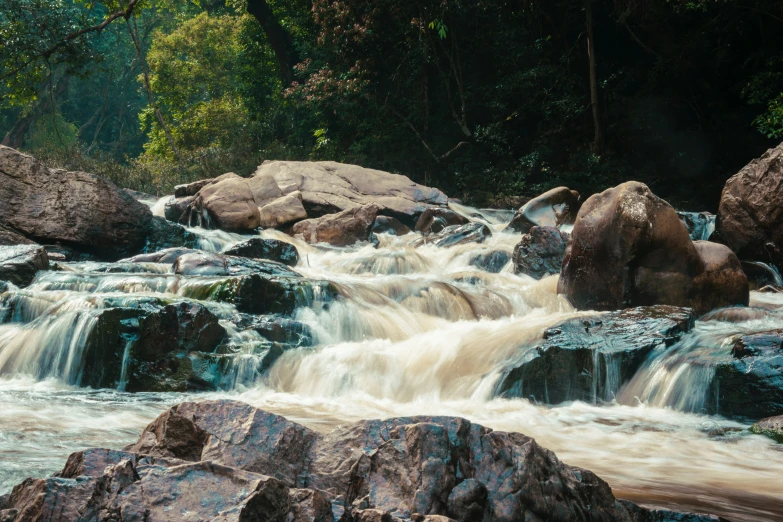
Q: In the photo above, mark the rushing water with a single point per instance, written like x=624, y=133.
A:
x=418, y=331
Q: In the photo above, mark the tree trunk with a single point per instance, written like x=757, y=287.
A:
x=281, y=42
x=598, y=141
x=15, y=136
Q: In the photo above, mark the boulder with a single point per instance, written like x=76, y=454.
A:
x=771, y=427
x=540, y=253
x=589, y=358
x=19, y=264
x=553, y=208
x=328, y=187
x=84, y=210
x=493, y=261
x=389, y=225
x=435, y=219
x=262, y=294
x=629, y=248
x=164, y=234
x=176, y=209
x=283, y=211
x=342, y=229
x=191, y=189
x=750, y=216
x=227, y=203
x=272, y=249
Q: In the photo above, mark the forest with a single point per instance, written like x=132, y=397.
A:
x=487, y=100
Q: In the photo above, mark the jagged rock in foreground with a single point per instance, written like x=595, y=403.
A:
x=540, y=253
x=227, y=461
x=20, y=263
x=629, y=248
x=76, y=208
x=553, y=208
x=588, y=358
x=750, y=216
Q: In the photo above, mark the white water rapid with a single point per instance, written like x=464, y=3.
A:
x=418, y=330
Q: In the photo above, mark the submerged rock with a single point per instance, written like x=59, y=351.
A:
x=454, y=235
x=553, y=208
x=167, y=255
x=588, y=358
x=492, y=261
x=342, y=229
x=761, y=274
x=19, y=264
x=629, y=248
x=262, y=294
x=272, y=249
x=225, y=460
x=84, y=210
x=389, y=225
x=750, y=217
x=164, y=234
x=540, y=253
x=435, y=219
x=276, y=329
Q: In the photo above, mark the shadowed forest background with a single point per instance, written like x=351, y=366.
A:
x=487, y=100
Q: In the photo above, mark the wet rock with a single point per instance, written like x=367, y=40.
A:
x=176, y=209
x=200, y=263
x=164, y=234
x=10, y=237
x=191, y=189
x=84, y=210
x=272, y=249
x=761, y=274
x=3, y=287
x=540, y=253
x=227, y=204
x=750, y=216
x=283, y=211
x=328, y=187
x=19, y=264
x=261, y=294
x=144, y=349
x=750, y=384
x=771, y=289
x=629, y=248
x=389, y=225
x=492, y=261
x=167, y=255
x=343, y=229
x=553, y=208
x=435, y=219
x=771, y=427
x=457, y=235
x=589, y=358
x=276, y=329
x=700, y=225
x=736, y=314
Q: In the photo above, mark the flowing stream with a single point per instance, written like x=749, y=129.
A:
x=419, y=330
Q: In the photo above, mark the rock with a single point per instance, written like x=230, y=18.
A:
x=761, y=274
x=272, y=249
x=167, y=255
x=700, y=225
x=343, y=229
x=9, y=237
x=493, y=261
x=540, y=253
x=458, y=235
x=750, y=384
x=328, y=187
x=629, y=248
x=435, y=219
x=163, y=234
x=735, y=314
x=553, y=208
x=389, y=225
x=191, y=189
x=276, y=329
x=84, y=210
x=19, y=264
x=200, y=263
x=771, y=289
x=589, y=358
x=4, y=287
x=283, y=211
x=261, y=294
x=227, y=461
x=176, y=209
x=750, y=216
x=227, y=204
x=771, y=427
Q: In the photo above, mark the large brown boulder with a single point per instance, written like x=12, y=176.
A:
x=283, y=211
x=328, y=187
x=342, y=229
x=553, y=208
x=629, y=248
x=750, y=217
x=227, y=203
x=76, y=208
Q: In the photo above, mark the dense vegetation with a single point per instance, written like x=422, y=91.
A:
x=482, y=98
